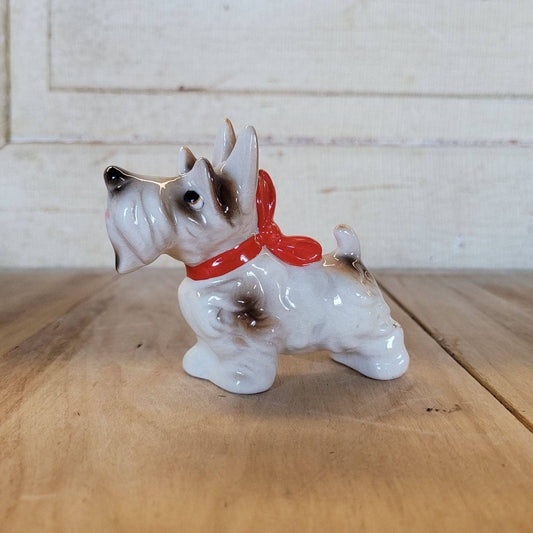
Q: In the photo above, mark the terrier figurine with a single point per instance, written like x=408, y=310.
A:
x=250, y=292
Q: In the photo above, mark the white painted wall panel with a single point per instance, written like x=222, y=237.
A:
x=412, y=207
x=410, y=120
x=48, y=69
x=4, y=63
x=420, y=46
x=89, y=117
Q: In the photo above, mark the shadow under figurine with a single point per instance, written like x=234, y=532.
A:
x=250, y=292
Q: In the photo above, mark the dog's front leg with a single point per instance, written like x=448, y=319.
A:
x=199, y=360
x=234, y=365
x=236, y=347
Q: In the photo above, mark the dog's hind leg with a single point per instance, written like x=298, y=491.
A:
x=379, y=358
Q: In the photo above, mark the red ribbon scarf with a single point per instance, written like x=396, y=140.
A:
x=294, y=250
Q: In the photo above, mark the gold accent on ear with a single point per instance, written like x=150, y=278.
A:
x=224, y=143
x=186, y=160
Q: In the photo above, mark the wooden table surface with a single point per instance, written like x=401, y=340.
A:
x=101, y=429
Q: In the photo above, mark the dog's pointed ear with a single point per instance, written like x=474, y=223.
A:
x=241, y=167
x=224, y=143
x=186, y=160
x=201, y=177
x=201, y=170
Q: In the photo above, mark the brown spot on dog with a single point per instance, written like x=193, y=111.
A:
x=357, y=266
x=225, y=195
x=251, y=313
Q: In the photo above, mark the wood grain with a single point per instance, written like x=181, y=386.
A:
x=31, y=300
x=484, y=319
x=100, y=429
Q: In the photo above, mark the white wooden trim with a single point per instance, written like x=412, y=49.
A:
x=387, y=115
x=4, y=78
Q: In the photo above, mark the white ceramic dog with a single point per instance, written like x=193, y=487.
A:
x=250, y=292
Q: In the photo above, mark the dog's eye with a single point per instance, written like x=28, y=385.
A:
x=193, y=199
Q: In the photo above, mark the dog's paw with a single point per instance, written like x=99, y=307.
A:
x=247, y=373
x=383, y=358
x=244, y=380
x=199, y=360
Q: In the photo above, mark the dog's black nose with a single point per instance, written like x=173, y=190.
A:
x=116, y=179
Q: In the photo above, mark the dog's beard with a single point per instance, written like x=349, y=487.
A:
x=139, y=231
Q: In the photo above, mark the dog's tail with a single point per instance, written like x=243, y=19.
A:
x=347, y=242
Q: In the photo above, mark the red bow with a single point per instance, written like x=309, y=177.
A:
x=295, y=250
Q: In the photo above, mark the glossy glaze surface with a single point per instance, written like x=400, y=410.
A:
x=248, y=315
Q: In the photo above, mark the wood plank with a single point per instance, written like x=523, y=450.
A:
x=411, y=207
x=292, y=119
x=31, y=300
x=484, y=319
x=423, y=46
x=100, y=429
x=109, y=115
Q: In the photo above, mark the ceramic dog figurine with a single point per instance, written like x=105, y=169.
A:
x=250, y=292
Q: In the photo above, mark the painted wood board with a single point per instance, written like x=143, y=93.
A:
x=32, y=299
x=412, y=207
x=484, y=319
x=4, y=76
x=346, y=46
x=102, y=430
x=472, y=47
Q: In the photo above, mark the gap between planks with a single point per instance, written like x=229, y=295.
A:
x=347, y=142
x=441, y=341
x=316, y=93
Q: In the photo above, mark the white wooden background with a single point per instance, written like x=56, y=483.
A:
x=410, y=120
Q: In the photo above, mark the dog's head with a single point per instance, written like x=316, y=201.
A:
x=204, y=210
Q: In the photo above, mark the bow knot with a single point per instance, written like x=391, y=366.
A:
x=294, y=250
x=270, y=235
